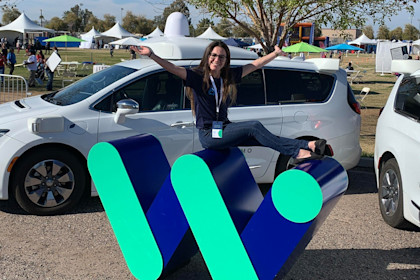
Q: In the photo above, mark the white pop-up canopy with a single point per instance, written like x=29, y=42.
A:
x=89, y=38
x=117, y=31
x=363, y=40
x=156, y=33
x=24, y=25
x=211, y=34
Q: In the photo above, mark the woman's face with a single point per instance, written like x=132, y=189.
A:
x=217, y=60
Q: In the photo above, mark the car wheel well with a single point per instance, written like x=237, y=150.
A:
x=34, y=149
x=384, y=158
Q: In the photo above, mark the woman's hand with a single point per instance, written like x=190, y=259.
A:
x=277, y=50
x=142, y=50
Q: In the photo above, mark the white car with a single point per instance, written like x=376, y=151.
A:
x=397, y=149
x=45, y=140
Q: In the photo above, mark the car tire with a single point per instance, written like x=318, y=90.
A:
x=49, y=181
x=390, y=194
x=283, y=163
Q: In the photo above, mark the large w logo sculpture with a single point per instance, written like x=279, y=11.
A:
x=210, y=196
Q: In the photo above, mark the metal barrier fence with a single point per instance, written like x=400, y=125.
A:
x=12, y=87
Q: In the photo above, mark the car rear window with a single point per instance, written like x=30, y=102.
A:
x=285, y=86
x=407, y=101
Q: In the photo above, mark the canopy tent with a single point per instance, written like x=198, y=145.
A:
x=256, y=46
x=156, y=33
x=64, y=38
x=363, y=40
x=21, y=25
x=89, y=38
x=384, y=54
x=343, y=47
x=302, y=47
x=93, y=33
x=211, y=35
x=24, y=25
x=416, y=47
x=129, y=41
x=117, y=31
x=235, y=42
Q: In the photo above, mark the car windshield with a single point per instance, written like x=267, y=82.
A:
x=88, y=86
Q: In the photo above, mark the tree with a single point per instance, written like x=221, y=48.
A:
x=9, y=14
x=137, y=24
x=410, y=33
x=77, y=18
x=396, y=34
x=202, y=26
x=368, y=31
x=224, y=28
x=57, y=24
x=108, y=22
x=268, y=16
x=383, y=33
x=176, y=6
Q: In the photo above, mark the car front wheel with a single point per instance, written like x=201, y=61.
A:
x=390, y=194
x=49, y=181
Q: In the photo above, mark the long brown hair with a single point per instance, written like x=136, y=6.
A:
x=204, y=69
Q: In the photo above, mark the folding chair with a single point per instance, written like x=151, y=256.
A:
x=362, y=95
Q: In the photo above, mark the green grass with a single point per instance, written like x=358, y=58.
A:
x=380, y=85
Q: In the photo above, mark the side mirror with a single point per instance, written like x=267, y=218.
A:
x=125, y=107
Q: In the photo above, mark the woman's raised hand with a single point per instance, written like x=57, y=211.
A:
x=142, y=50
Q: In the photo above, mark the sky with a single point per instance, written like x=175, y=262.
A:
x=149, y=9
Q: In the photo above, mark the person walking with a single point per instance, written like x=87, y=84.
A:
x=30, y=63
x=211, y=87
x=11, y=60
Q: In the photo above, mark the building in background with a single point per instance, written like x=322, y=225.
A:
x=339, y=36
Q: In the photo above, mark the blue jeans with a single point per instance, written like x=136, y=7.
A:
x=251, y=133
x=50, y=75
x=2, y=72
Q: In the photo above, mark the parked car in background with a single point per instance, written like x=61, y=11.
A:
x=45, y=140
x=397, y=149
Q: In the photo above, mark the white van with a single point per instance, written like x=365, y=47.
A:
x=45, y=140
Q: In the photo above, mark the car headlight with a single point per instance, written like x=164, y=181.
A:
x=3, y=132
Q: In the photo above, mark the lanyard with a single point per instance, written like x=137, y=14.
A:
x=216, y=95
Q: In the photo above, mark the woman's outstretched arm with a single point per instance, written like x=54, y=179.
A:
x=260, y=62
x=170, y=67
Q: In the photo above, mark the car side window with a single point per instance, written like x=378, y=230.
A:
x=251, y=90
x=157, y=92
x=285, y=86
x=408, y=98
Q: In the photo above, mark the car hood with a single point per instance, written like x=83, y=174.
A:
x=23, y=109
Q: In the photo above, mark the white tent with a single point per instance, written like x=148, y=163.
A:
x=363, y=40
x=21, y=25
x=211, y=34
x=156, y=33
x=89, y=38
x=117, y=31
x=384, y=54
x=416, y=47
x=256, y=46
x=24, y=25
x=93, y=33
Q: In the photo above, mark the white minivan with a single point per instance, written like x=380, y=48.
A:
x=45, y=140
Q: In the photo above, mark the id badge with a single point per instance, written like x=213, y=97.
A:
x=217, y=130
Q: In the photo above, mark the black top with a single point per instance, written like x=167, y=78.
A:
x=205, y=103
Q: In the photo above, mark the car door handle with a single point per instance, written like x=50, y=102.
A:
x=182, y=124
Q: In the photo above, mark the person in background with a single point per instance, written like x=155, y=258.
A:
x=50, y=73
x=2, y=62
x=111, y=50
x=30, y=63
x=11, y=61
x=350, y=66
x=133, y=53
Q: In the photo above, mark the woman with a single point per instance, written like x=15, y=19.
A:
x=211, y=88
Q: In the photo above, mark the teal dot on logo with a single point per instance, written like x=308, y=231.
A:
x=297, y=196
